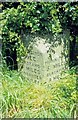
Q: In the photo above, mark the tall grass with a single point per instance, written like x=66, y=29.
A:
x=27, y=99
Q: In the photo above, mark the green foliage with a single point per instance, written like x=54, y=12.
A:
x=27, y=99
x=32, y=17
x=68, y=17
x=21, y=17
x=69, y=13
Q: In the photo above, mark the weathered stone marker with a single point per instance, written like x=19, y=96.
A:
x=49, y=56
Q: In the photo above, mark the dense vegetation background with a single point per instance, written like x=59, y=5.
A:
x=22, y=98
x=33, y=17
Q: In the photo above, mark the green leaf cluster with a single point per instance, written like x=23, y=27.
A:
x=27, y=17
x=21, y=17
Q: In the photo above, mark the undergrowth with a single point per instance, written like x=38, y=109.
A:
x=26, y=99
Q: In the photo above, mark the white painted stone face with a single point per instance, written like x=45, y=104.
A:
x=43, y=65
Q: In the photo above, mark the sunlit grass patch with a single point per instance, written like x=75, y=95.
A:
x=27, y=99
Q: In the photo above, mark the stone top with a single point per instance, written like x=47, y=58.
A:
x=42, y=46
